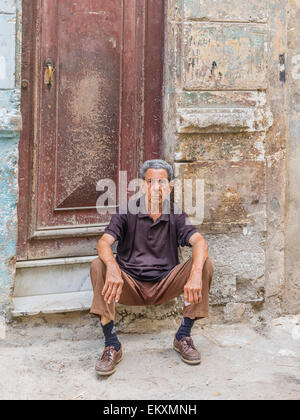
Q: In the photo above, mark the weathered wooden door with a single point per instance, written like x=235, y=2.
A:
x=91, y=107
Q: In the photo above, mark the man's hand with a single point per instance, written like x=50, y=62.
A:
x=193, y=289
x=113, y=284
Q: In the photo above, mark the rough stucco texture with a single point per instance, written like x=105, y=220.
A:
x=225, y=124
x=292, y=289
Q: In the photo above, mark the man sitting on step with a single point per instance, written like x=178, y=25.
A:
x=146, y=270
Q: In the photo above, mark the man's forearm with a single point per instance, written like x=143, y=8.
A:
x=193, y=287
x=200, y=254
x=106, y=255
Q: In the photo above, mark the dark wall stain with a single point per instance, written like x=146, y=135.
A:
x=213, y=67
x=282, y=77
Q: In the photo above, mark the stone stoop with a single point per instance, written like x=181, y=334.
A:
x=63, y=285
x=52, y=286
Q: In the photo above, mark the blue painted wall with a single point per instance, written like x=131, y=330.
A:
x=8, y=202
x=10, y=124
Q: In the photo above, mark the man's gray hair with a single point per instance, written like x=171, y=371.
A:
x=157, y=164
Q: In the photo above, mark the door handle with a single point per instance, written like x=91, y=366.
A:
x=48, y=75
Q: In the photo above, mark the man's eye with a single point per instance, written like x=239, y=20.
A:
x=160, y=181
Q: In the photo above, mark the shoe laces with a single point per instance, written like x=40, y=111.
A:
x=108, y=353
x=188, y=343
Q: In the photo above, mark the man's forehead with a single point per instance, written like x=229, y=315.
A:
x=156, y=173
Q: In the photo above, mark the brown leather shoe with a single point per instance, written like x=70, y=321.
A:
x=188, y=351
x=107, y=363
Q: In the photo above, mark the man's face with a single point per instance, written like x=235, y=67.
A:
x=157, y=187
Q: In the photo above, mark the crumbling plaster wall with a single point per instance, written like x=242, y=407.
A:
x=225, y=123
x=291, y=297
x=10, y=126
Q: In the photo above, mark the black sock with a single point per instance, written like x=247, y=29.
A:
x=185, y=328
x=111, y=339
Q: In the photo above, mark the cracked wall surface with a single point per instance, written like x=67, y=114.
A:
x=292, y=261
x=225, y=123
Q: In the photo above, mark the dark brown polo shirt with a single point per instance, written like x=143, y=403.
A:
x=148, y=250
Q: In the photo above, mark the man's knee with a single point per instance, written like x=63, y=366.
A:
x=97, y=265
x=208, y=271
x=209, y=266
x=97, y=271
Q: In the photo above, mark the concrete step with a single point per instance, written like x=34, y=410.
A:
x=52, y=286
x=52, y=303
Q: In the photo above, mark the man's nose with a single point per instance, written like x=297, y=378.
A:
x=157, y=190
x=156, y=186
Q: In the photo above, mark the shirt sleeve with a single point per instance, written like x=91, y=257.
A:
x=117, y=226
x=184, y=229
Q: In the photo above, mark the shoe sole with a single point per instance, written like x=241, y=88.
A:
x=111, y=371
x=190, y=362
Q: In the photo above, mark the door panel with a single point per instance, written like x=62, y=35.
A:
x=86, y=122
x=87, y=99
x=79, y=113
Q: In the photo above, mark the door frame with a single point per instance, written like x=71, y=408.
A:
x=148, y=52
